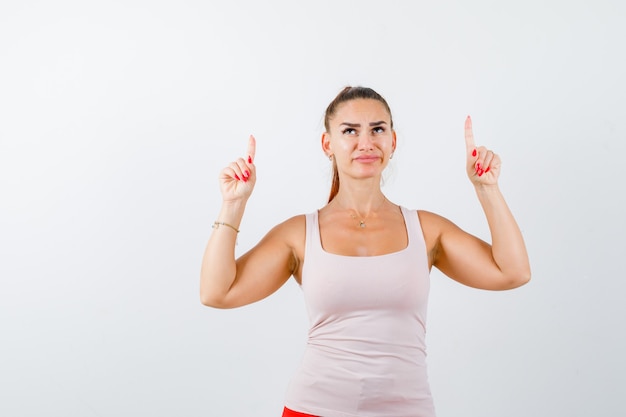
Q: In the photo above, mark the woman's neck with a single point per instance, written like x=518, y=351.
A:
x=364, y=201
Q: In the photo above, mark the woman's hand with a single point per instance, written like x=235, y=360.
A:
x=483, y=166
x=238, y=178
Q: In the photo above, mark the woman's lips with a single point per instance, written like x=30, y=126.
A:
x=367, y=158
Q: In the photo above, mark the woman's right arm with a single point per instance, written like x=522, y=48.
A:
x=226, y=282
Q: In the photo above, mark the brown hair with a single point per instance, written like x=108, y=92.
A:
x=348, y=94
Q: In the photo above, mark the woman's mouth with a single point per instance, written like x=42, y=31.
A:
x=367, y=159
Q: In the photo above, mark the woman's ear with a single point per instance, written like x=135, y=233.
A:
x=326, y=144
x=393, y=141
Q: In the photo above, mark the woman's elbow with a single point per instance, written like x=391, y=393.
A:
x=210, y=299
x=518, y=279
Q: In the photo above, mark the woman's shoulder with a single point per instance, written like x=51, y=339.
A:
x=294, y=222
x=292, y=233
x=429, y=216
x=291, y=230
x=423, y=215
x=432, y=223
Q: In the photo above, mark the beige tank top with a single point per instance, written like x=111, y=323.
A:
x=366, y=353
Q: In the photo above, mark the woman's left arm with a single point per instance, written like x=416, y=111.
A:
x=500, y=266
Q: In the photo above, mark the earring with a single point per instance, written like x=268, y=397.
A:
x=330, y=157
x=391, y=156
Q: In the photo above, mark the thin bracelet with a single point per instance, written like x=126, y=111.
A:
x=216, y=225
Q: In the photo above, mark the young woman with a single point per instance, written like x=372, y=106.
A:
x=363, y=263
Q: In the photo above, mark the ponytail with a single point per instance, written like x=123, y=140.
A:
x=334, y=188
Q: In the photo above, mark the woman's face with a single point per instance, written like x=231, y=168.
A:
x=360, y=139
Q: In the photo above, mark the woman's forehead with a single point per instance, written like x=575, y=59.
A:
x=361, y=109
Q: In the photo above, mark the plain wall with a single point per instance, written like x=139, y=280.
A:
x=116, y=118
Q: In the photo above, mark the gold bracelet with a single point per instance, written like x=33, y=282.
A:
x=216, y=225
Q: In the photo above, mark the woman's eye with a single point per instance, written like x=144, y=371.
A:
x=378, y=129
x=348, y=131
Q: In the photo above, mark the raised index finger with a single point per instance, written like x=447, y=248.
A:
x=251, y=148
x=469, y=136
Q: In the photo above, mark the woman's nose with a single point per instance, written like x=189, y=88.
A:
x=365, y=142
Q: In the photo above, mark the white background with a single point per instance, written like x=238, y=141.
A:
x=116, y=117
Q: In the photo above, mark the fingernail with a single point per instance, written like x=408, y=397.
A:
x=480, y=172
x=237, y=176
x=477, y=167
x=474, y=152
x=487, y=170
x=247, y=173
x=249, y=159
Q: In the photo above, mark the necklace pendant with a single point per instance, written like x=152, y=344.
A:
x=362, y=224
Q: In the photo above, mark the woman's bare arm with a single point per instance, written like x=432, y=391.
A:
x=226, y=282
x=504, y=263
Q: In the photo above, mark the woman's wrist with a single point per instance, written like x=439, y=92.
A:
x=487, y=189
x=231, y=213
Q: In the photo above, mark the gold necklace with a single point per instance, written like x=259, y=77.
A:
x=362, y=224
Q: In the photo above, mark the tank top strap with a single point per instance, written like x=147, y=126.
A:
x=413, y=228
x=313, y=242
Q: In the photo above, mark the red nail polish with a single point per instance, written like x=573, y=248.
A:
x=480, y=172
x=246, y=174
x=474, y=152
x=238, y=179
x=487, y=170
x=249, y=159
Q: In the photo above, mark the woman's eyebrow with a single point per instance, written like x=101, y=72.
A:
x=382, y=122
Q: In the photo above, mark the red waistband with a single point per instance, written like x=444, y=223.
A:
x=290, y=413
